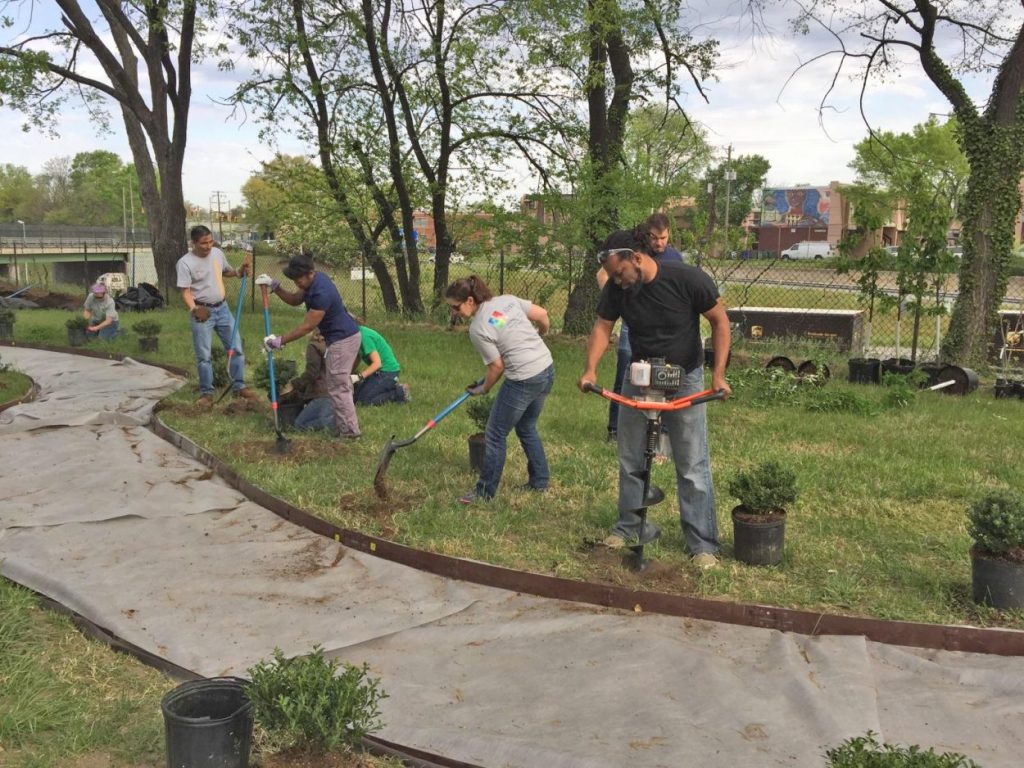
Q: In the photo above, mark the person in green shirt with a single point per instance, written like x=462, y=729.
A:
x=378, y=382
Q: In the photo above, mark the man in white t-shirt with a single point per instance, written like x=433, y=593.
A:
x=201, y=274
x=101, y=313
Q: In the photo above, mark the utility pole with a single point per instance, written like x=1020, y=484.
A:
x=730, y=177
x=218, y=196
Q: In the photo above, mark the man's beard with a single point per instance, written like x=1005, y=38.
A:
x=632, y=291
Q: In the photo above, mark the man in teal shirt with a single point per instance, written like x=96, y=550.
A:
x=378, y=383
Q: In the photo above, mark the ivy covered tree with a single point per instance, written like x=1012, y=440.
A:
x=952, y=41
x=137, y=56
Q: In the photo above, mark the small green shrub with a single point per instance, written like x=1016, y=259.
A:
x=996, y=523
x=768, y=488
x=866, y=752
x=147, y=329
x=76, y=323
x=303, y=702
x=284, y=371
x=840, y=401
x=900, y=390
x=219, y=360
x=479, y=411
x=7, y=316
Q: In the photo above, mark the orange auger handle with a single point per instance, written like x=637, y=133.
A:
x=669, y=405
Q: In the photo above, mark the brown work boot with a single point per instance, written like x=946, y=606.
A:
x=206, y=401
x=249, y=394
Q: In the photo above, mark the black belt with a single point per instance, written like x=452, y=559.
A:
x=210, y=306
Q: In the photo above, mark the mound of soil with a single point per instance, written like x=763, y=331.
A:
x=44, y=298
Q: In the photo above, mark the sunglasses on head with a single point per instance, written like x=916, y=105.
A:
x=602, y=256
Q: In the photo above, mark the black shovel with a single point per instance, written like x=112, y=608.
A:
x=392, y=445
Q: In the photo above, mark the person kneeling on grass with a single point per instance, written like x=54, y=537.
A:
x=378, y=382
x=502, y=331
x=311, y=388
x=101, y=313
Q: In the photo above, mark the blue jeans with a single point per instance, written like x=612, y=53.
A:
x=317, y=414
x=518, y=405
x=687, y=430
x=110, y=332
x=378, y=388
x=622, y=359
x=221, y=321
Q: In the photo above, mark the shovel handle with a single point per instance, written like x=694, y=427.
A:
x=452, y=406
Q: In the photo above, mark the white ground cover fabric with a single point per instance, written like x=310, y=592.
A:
x=99, y=514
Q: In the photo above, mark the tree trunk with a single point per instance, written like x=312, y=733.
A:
x=989, y=213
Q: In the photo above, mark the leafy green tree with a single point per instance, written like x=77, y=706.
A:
x=925, y=173
x=140, y=60
x=17, y=193
x=954, y=41
x=750, y=172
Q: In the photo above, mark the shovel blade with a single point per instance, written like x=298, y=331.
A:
x=382, y=467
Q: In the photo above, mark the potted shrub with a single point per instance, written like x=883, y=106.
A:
x=284, y=371
x=149, y=332
x=996, y=523
x=7, y=320
x=759, y=522
x=479, y=411
x=76, y=331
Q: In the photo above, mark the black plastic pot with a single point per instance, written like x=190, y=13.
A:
x=965, y=380
x=77, y=337
x=288, y=412
x=781, y=361
x=900, y=365
x=758, y=539
x=208, y=724
x=997, y=583
x=149, y=343
x=932, y=371
x=1005, y=388
x=477, y=445
x=864, y=370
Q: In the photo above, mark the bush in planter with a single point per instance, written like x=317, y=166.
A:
x=7, y=321
x=76, y=323
x=303, y=702
x=147, y=329
x=479, y=411
x=996, y=523
x=866, y=752
x=284, y=371
x=759, y=522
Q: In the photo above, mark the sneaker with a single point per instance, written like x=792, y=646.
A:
x=404, y=396
x=704, y=561
x=347, y=436
x=248, y=393
x=533, y=488
x=614, y=541
x=206, y=401
x=468, y=497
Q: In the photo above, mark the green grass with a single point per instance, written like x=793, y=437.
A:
x=12, y=384
x=64, y=697
x=879, y=528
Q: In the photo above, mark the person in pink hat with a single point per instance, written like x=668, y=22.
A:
x=101, y=313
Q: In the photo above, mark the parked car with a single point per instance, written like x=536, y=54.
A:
x=808, y=249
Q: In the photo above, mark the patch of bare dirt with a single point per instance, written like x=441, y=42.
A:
x=614, y=567
x=45, y=299
x=383, y=510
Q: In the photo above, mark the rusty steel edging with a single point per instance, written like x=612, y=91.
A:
x=1002, y=642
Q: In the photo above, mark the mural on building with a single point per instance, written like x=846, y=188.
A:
x=796, y=205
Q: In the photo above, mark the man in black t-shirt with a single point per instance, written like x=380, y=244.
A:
x=663, y=304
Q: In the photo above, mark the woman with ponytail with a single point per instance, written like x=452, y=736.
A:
x=506, y=331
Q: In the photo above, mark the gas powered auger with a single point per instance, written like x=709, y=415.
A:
x=655, y=378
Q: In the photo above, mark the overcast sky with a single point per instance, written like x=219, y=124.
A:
x=748, y=109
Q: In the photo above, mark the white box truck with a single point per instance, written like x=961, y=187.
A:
x=808, y=249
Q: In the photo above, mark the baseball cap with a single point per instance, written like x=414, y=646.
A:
x=300, y=264
x=98, y=288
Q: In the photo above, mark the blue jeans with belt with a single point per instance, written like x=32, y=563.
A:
x=517, y=406
x=687, y=430
x=220, y=322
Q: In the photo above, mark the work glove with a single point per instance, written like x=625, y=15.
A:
x=356, y=377
x=476, y=389
x=201, y=314
x=272, y=342
x=267, y=280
